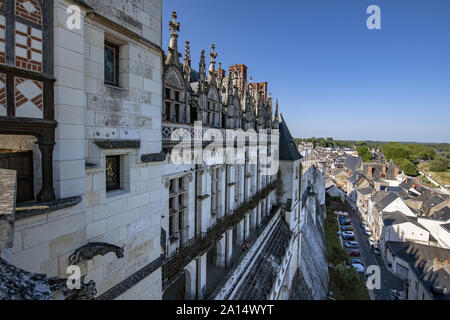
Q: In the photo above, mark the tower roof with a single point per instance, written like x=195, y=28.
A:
x=288, y=148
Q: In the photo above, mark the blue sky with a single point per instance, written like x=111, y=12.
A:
x=332, y=75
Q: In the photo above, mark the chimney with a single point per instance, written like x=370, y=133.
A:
x=397, y=171
x=369, y=171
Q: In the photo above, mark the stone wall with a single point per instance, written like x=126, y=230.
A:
x=88, y=110
x=311, y=279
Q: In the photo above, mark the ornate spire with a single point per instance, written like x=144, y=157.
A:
x=202, y=68
x=235, y=83
x=219, y=77
x=187, y=63
x=276, y=118
x=212, y=65
x=173, y=55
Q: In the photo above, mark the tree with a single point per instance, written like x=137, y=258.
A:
x=364, y=153
x=440, y=164
x=407, y=167
x=345, y=279
x=394, y=150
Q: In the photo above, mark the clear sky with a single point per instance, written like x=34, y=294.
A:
x=333, y=76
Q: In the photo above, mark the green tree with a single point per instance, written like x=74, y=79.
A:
x=364, y=153
x=395, y=150
x=345, y=279
x=440, y=164
x=407, y=166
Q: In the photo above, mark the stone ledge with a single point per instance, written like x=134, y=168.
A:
x=118, y=144
x=35, y=208
x=132, y=280
x=203, y=197
x=153, y=157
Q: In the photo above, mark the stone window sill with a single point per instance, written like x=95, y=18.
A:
x=116, y=193
x=30, y=209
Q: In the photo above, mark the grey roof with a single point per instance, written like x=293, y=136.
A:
x=261, y=279
x=417, y=253
x=446, y=226
x=433, y=201
x=353, y=163
x=396, y=217
x=367, y=190
x=407, y=183
x=383, y=198
x=288, y=148
x=420, y=258
x=394, y=189
x=436, y=279
x=355, y=177
x=442, y=214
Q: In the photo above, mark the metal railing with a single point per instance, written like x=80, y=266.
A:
x=202, y=242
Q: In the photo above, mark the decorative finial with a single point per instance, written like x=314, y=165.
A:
x=174, y=26
x=213, y=54
x=187, y=62
x=187, y=51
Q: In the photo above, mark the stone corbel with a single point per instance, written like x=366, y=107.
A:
x=166, y=183
x=92, y=249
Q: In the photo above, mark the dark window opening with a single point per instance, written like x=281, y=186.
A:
x=22, y=162
x=111, y=64
x=112, y=173
x=167, y=93
x=167, y=115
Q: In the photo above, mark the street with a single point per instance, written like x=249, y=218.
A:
x=388, y=280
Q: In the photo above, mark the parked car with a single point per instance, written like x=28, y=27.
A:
x=358, y=267
x=353, y=253
x=344, y=219
x=346, y=237
x=348, y=233
x=363, y=225
x=372, y=241
x=368, y=232
x=376, y=250
x=351, y=244
x=341, y=213
x=356, y=261
x=347, y=228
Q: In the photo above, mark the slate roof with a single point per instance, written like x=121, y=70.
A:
x=417, y=253
x=288, y=148
x=356, y=177
x=433, y=201
x=259, y=282
x=407, y=183
x=396, y=217
x=442, y=214
x=420, y=258
x=446, y=226
x=436, y=279
x=394, y=189
x=364, y=191
x=353, y=163
x=383, y=198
